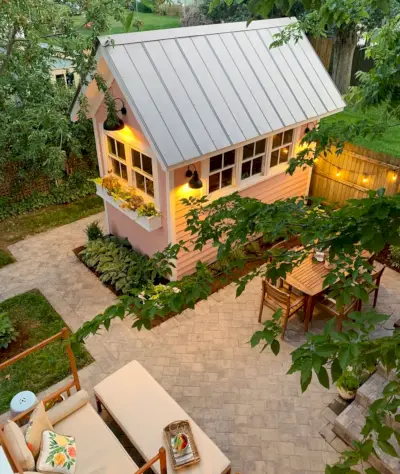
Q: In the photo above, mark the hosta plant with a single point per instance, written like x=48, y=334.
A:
x=8, y=333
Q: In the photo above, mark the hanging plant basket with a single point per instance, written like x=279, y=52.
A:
x=113, y=126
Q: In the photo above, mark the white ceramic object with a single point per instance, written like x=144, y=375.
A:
x=319, y=256
x=23, y=401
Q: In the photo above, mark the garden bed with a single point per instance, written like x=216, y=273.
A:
x=221, y=279
x=385, y=257
x=35, y=320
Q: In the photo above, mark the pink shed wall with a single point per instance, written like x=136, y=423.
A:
x=278, y=187
x=120, y=224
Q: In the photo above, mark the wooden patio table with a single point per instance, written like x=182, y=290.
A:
x=309, y=278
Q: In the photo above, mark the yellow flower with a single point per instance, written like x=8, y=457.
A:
x=61, y=440
x=59, y=459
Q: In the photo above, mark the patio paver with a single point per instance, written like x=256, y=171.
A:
x=242, y=399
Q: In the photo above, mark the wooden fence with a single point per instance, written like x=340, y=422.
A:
x=323, y=47
x=354, y=172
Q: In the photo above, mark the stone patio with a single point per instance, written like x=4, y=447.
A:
x=242, y=398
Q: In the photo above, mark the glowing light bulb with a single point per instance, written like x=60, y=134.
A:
x=339, y=173
x=394, y=177
x=365, y=179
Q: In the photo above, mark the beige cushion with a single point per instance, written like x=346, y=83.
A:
x=143, y=408
x=38, y=423
x=17, y=446
x=57, y=454
x=68, y=406
x=98, y=450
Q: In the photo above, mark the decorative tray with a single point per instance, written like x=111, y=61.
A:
x=189, y=455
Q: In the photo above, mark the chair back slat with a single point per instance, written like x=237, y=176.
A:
x=281, y=297
x=376, y=276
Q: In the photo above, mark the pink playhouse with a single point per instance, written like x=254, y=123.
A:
x=214, y=100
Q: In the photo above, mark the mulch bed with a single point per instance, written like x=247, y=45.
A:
x=220, y=282
x=384, y=257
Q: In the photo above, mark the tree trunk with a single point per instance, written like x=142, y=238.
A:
x=343, y=53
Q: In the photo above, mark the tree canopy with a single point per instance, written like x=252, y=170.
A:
x=36, y=129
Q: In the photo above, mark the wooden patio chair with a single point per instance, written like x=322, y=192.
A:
x=276, y=298
x=376, y=280
x=329, y=306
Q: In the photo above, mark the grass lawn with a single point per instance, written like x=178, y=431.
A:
x=17, y=228
x=5, y=258
x=388, y=143
x=36, y=320
x=151, y=22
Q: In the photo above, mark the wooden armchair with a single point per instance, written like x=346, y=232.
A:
x=329, y=306
x=376, y=280
x=284, y=298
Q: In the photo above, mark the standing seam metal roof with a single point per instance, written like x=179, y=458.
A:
x=199, y=89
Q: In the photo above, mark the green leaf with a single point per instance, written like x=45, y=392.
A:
x=387, y=448
x=371, y=470
x=305, y=378
x=275, y=347
x=343, y=356
x=336, y=370
x=323, y=377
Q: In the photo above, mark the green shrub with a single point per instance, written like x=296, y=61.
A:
x=8, y=333
x=94, y=231
x=72, y=189
x=395, y=255
x=118, y=264
x=349, y=380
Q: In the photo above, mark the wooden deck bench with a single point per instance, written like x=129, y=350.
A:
x=142, y=408
x=98, y=449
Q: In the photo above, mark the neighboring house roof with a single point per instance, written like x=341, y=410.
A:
x=199, y=89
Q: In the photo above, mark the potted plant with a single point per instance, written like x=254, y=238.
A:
x=348, y=383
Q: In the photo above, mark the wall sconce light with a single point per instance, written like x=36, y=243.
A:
x=394, y=176
x=339, y=173
x=195, y=182
x=365, y=179
x=120, y=124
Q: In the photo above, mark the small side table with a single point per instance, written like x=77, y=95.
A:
x=22, y=401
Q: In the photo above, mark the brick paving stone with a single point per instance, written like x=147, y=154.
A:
x=241, y=398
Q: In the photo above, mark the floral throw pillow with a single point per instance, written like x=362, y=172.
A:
x=57, y=454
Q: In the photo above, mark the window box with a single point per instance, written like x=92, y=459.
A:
x=148, y=223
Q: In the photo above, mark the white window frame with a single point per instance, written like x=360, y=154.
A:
x=112, y=156
x=131, y=168
x=280, y=167
x=205, y=171
x=263, y=156
x=267, y=171
x=134, y=169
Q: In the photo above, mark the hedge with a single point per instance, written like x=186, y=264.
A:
x=72, y=189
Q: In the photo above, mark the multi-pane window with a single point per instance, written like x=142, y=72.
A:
x=281, y=146
x=253, y=159
x=142, y=172
x=221, y=171
x=116, y=154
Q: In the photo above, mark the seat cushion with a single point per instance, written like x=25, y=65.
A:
x=17, y=446
x=98, y=450
x=143, y=409
x=38, y=423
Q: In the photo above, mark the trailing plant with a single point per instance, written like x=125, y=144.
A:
x=127, y=195
x=349, y=380
x=8, y=333
x=148, y=210
x=94, y=231
x=72, y=189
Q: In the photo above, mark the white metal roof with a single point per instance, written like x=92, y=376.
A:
x=199, y=89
